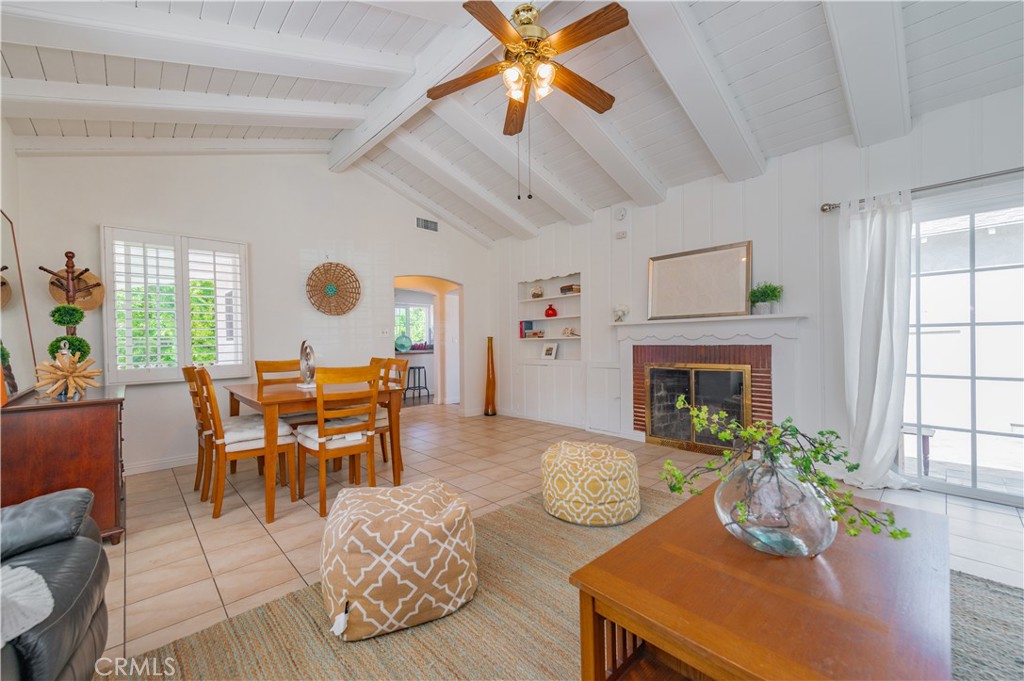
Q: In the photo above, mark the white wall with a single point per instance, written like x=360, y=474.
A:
x=793, y=243
x=294, y=214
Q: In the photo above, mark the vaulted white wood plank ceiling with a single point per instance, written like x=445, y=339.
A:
x=701, y=88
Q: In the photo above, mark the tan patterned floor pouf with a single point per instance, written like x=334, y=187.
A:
x=392, y=558
x=590, y=484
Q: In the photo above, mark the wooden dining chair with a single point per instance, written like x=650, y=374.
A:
x=240, y=437
x=204, y=437
x=393, y=374
x=268, y=372
x=344, y=425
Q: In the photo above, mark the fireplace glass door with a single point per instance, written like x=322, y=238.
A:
x=720, y=387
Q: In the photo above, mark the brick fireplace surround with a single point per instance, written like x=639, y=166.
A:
x=759, y=357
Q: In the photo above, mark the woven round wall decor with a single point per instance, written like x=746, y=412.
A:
x=333, y=288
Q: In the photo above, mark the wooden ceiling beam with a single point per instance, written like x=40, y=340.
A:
x=459, y=182
x=23, y=98
x=459, y=114
x=438, y=211
x=122, y=30
x=607, y=147
x=869, y=44
x=678, y=47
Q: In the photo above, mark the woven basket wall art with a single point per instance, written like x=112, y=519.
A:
x=333, y=288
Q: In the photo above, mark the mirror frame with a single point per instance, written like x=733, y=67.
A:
x=5, y=398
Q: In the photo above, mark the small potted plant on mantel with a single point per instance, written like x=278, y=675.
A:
x=765, y=298
x=773, y=495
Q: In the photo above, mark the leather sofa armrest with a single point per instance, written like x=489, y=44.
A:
x=44, y=520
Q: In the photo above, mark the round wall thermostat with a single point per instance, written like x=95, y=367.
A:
x=620, y=214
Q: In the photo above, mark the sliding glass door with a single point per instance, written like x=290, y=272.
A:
x=964, y=406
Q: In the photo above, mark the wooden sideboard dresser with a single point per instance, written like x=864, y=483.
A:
x=49, y=445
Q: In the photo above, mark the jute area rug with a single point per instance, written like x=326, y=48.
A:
x=523, y=622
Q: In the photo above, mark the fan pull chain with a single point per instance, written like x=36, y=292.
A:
x=519, y=181
x=529, y=155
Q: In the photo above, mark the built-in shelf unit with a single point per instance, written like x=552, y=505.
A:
x=532, y=319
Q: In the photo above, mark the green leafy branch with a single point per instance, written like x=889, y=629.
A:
x=781, y=444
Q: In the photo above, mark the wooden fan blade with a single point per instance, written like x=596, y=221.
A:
x=591, y=27
x=515, y=116
x=488, y=14
x=471, y=78
x=577, y=86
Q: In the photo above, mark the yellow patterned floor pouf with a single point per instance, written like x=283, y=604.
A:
x=590, y=484
x=395, y=557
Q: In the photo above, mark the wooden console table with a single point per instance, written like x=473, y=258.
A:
x=49, y=445
x=867, y=608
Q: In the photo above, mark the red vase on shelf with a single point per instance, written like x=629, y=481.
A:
x=551, y=311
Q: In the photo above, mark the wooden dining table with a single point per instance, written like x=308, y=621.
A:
x=274, y=401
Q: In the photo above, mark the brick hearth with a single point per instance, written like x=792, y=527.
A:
x=759, y=357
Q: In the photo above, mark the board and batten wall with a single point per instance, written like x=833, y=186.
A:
x=793, y=244
x=294, y=214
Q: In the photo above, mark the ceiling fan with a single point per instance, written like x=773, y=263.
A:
x=528, y=63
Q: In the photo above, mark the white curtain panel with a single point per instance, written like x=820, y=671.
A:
x=874, y=264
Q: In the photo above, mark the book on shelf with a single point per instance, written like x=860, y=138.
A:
x=525, y=327
x=570, y=288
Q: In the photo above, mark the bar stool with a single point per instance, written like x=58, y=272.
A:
x=417, y=381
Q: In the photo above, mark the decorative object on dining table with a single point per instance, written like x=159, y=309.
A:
x=774, y=495
x=619, y=313
x=570, y=332
x=67, y=373
x=551, y=311
x=765, y=298
x=537, y=292
x=491, y=383
x=307, y=366
x=75, y=286
x=333, y=288
x=550, y=351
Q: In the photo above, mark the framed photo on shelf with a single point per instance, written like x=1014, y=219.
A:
x=549, y=351
x=708, y=282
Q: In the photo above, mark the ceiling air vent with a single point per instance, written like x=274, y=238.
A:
x=429, y=225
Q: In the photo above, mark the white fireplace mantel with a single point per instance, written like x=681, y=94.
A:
x=784, y=332
x=755, y=327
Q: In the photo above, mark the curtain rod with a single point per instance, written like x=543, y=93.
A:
x=828, y=207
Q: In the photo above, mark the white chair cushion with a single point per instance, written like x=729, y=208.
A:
x=379, y=421
x=258, y=444
x=250, y=427
x=309, y=435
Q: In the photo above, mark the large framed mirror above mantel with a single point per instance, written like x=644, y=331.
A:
x=18, y=355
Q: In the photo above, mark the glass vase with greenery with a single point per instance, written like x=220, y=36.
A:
x=774, y=486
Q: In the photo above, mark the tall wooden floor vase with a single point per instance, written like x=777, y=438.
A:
x=489, y=409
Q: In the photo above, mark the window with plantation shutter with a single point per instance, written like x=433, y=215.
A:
x=176, y=300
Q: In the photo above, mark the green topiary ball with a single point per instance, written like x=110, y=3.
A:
x=5, y=355
x=67, y=315
x=75, y=344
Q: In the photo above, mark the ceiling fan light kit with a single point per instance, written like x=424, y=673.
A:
x=529, y=50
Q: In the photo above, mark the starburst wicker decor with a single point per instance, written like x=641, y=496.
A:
x=66, y=372
x=333, y=288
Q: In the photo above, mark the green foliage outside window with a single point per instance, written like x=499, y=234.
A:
x=146, y=325
x=413, y=321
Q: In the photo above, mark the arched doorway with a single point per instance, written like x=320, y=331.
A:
x=438, y=343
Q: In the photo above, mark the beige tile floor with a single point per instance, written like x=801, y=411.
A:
x=179, y=570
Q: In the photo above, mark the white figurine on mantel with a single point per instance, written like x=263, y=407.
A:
x=619, y=313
